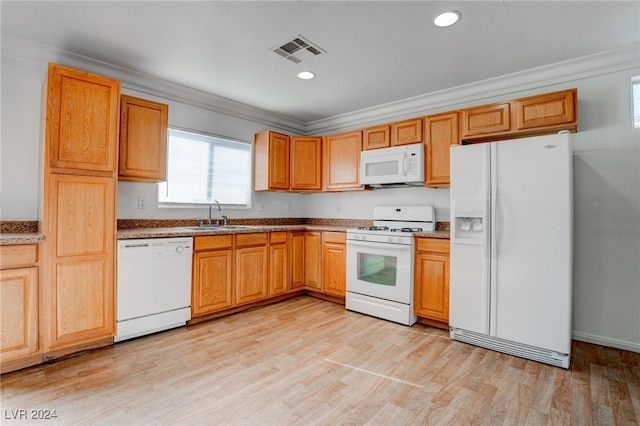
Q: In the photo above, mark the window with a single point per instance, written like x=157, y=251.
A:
x=203, y=168
x=635, y=92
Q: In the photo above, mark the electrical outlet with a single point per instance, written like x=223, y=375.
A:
x=289, y=206
x=261, y=207
x=142, y=203
x=339, y=207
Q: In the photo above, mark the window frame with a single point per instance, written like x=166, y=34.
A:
x=165, y=204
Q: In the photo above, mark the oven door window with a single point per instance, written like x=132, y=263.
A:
x=378, y=269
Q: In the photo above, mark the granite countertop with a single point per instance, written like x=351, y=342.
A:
x=124, y=234
x=21, y=238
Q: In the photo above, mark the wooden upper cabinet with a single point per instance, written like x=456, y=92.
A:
x=306, y=163
x=406, y=132
x=486, y=120
x=143, y=140
x=376, y=137
x=82, y=120
x=271, y=161
x=550, y=110
x=440, y=132
x=342, y=161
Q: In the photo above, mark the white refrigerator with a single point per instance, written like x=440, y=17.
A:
x=512, y=247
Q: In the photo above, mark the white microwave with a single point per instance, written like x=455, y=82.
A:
x=393, y=167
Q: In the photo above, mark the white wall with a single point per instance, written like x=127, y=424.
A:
x=606, y=168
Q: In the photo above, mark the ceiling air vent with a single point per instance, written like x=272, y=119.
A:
x=297, y=48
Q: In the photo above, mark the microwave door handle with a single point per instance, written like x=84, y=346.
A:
x=405, y=164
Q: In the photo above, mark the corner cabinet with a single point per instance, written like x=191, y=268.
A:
x=306, y=163
x=143, y=140
x=342, y=161
x=19, y=343
x=440, y=132
x=431, y=292
x=79, y=211
x=271, y=162
x=212, y=278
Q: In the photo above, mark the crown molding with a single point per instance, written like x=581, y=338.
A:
x=39, y=54
x=620, y=59
x=624, y=58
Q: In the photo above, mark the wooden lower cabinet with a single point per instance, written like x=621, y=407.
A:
x=431, y=293
x=252, y=267
x=279, y=276
x=297, y=259
x=79, y=265
x=334, y=263
x=313, y=260
x=212, y=282
x=19, y=342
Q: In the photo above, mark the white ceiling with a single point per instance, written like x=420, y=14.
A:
x=377, y=52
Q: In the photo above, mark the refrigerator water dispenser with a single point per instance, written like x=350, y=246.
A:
x=468, y=221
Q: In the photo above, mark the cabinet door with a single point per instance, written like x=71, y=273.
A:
x=376, y=137
x=440, y=132
x=143, y=140
x=82, y=120
x=212, y=282
x=297, y=260
x=432, y=286
x=18, y=313
x=306, y=163
x=313, y=260
x=486, y=120
x=79, y=285
x=342, y=161
x=406, y=132
x=271, y=161
x=252, y=270
x=550, y=110
x=278, y=263
x=334, y=264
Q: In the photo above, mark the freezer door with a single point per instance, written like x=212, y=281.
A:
x=532, y=251
x=470, y=230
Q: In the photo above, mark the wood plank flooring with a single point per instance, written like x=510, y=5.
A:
x=308, y=361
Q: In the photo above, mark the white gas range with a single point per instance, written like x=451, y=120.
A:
x=380, y=262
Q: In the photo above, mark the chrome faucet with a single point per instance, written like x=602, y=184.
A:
x=224, y=220
x=211, y=205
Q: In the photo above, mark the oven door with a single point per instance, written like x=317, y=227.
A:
x=382, y=270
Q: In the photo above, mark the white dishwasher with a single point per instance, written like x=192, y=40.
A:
x=154, y=285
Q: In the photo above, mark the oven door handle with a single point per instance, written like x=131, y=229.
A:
x=380, y=245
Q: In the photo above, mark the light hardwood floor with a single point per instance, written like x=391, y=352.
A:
x=308, y=361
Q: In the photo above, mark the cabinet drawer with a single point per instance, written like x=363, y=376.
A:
x=212, y=242
x=246, y=240
x=432, y=245
x=278, y=237
x=18, y=256
x=335, y=237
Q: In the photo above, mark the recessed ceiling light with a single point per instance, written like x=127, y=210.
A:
x=447, y=18
x=306, y=75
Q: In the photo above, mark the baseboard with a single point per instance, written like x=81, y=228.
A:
x=606, y=341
